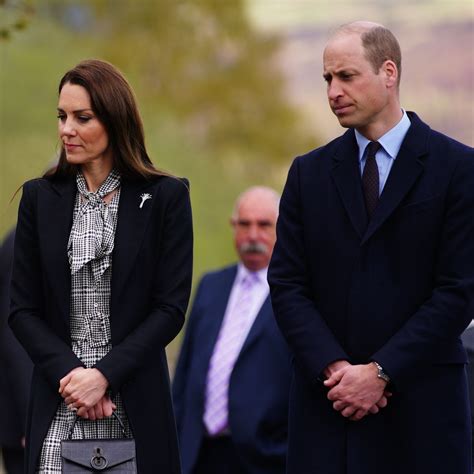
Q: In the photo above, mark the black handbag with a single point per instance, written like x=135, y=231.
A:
x=117, y=456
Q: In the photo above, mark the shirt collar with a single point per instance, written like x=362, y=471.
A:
x=391, y=141
x=242, y=272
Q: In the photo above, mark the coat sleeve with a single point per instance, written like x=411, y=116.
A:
x=15, y=361
x=170, y=292
x=184, y=363
x=53, y=356
x=450, y=308
x=310, y=339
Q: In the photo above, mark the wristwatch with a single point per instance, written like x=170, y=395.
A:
x=380, y=372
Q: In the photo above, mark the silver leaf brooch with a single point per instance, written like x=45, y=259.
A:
x=144, y=197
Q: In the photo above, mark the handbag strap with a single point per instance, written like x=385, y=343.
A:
x=71, y=430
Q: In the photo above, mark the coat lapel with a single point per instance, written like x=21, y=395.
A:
x=56, y=227
x=131, y=225
x=404, y=173
x=346, y=175
x=258, y=325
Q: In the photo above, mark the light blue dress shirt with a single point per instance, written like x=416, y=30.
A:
x=387, y=153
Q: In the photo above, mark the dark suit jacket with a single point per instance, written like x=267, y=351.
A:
x=151, y=278
x=259, y=385
x=398, y=290
x=15, y=365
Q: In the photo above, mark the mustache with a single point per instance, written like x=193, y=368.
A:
x=253, y=247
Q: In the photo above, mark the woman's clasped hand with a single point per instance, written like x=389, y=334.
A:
x=84, y=391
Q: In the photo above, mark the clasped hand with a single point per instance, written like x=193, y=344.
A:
x=84, y=390
x=355, y=390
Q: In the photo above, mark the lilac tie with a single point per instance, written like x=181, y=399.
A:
x=231, y=337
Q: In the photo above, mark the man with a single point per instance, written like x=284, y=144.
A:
x=15, y=374
x=372, y=279
x=233, y=375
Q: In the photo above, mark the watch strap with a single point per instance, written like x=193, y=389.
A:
x=381, y=373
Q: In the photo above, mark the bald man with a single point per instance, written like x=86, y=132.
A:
x=233, y=375
x=372, y=278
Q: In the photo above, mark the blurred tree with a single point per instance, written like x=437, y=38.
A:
x=14, y=16
x=205, y=65
x=212, y=97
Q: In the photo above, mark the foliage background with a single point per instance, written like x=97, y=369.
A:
x=210, y=96
x=230, y=90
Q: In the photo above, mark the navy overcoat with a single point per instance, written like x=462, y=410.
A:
x=151, y=280
x=398, y=289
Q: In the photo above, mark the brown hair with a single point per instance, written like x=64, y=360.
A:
x=113, y=102
x=381, y=45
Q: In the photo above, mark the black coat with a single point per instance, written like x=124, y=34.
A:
x=398, y=290
x=151, y=279
x=15, y=365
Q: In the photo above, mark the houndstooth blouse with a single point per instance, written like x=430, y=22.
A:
x=90, y=249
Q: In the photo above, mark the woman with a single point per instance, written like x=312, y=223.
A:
x=101, y=278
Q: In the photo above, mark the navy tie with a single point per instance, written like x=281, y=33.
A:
x=370, y=179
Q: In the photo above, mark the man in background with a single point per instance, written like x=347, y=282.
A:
x=233, y=374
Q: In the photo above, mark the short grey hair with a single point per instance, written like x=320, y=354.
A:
x=256, y=189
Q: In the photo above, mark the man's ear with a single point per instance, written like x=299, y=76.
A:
x=389, y=68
